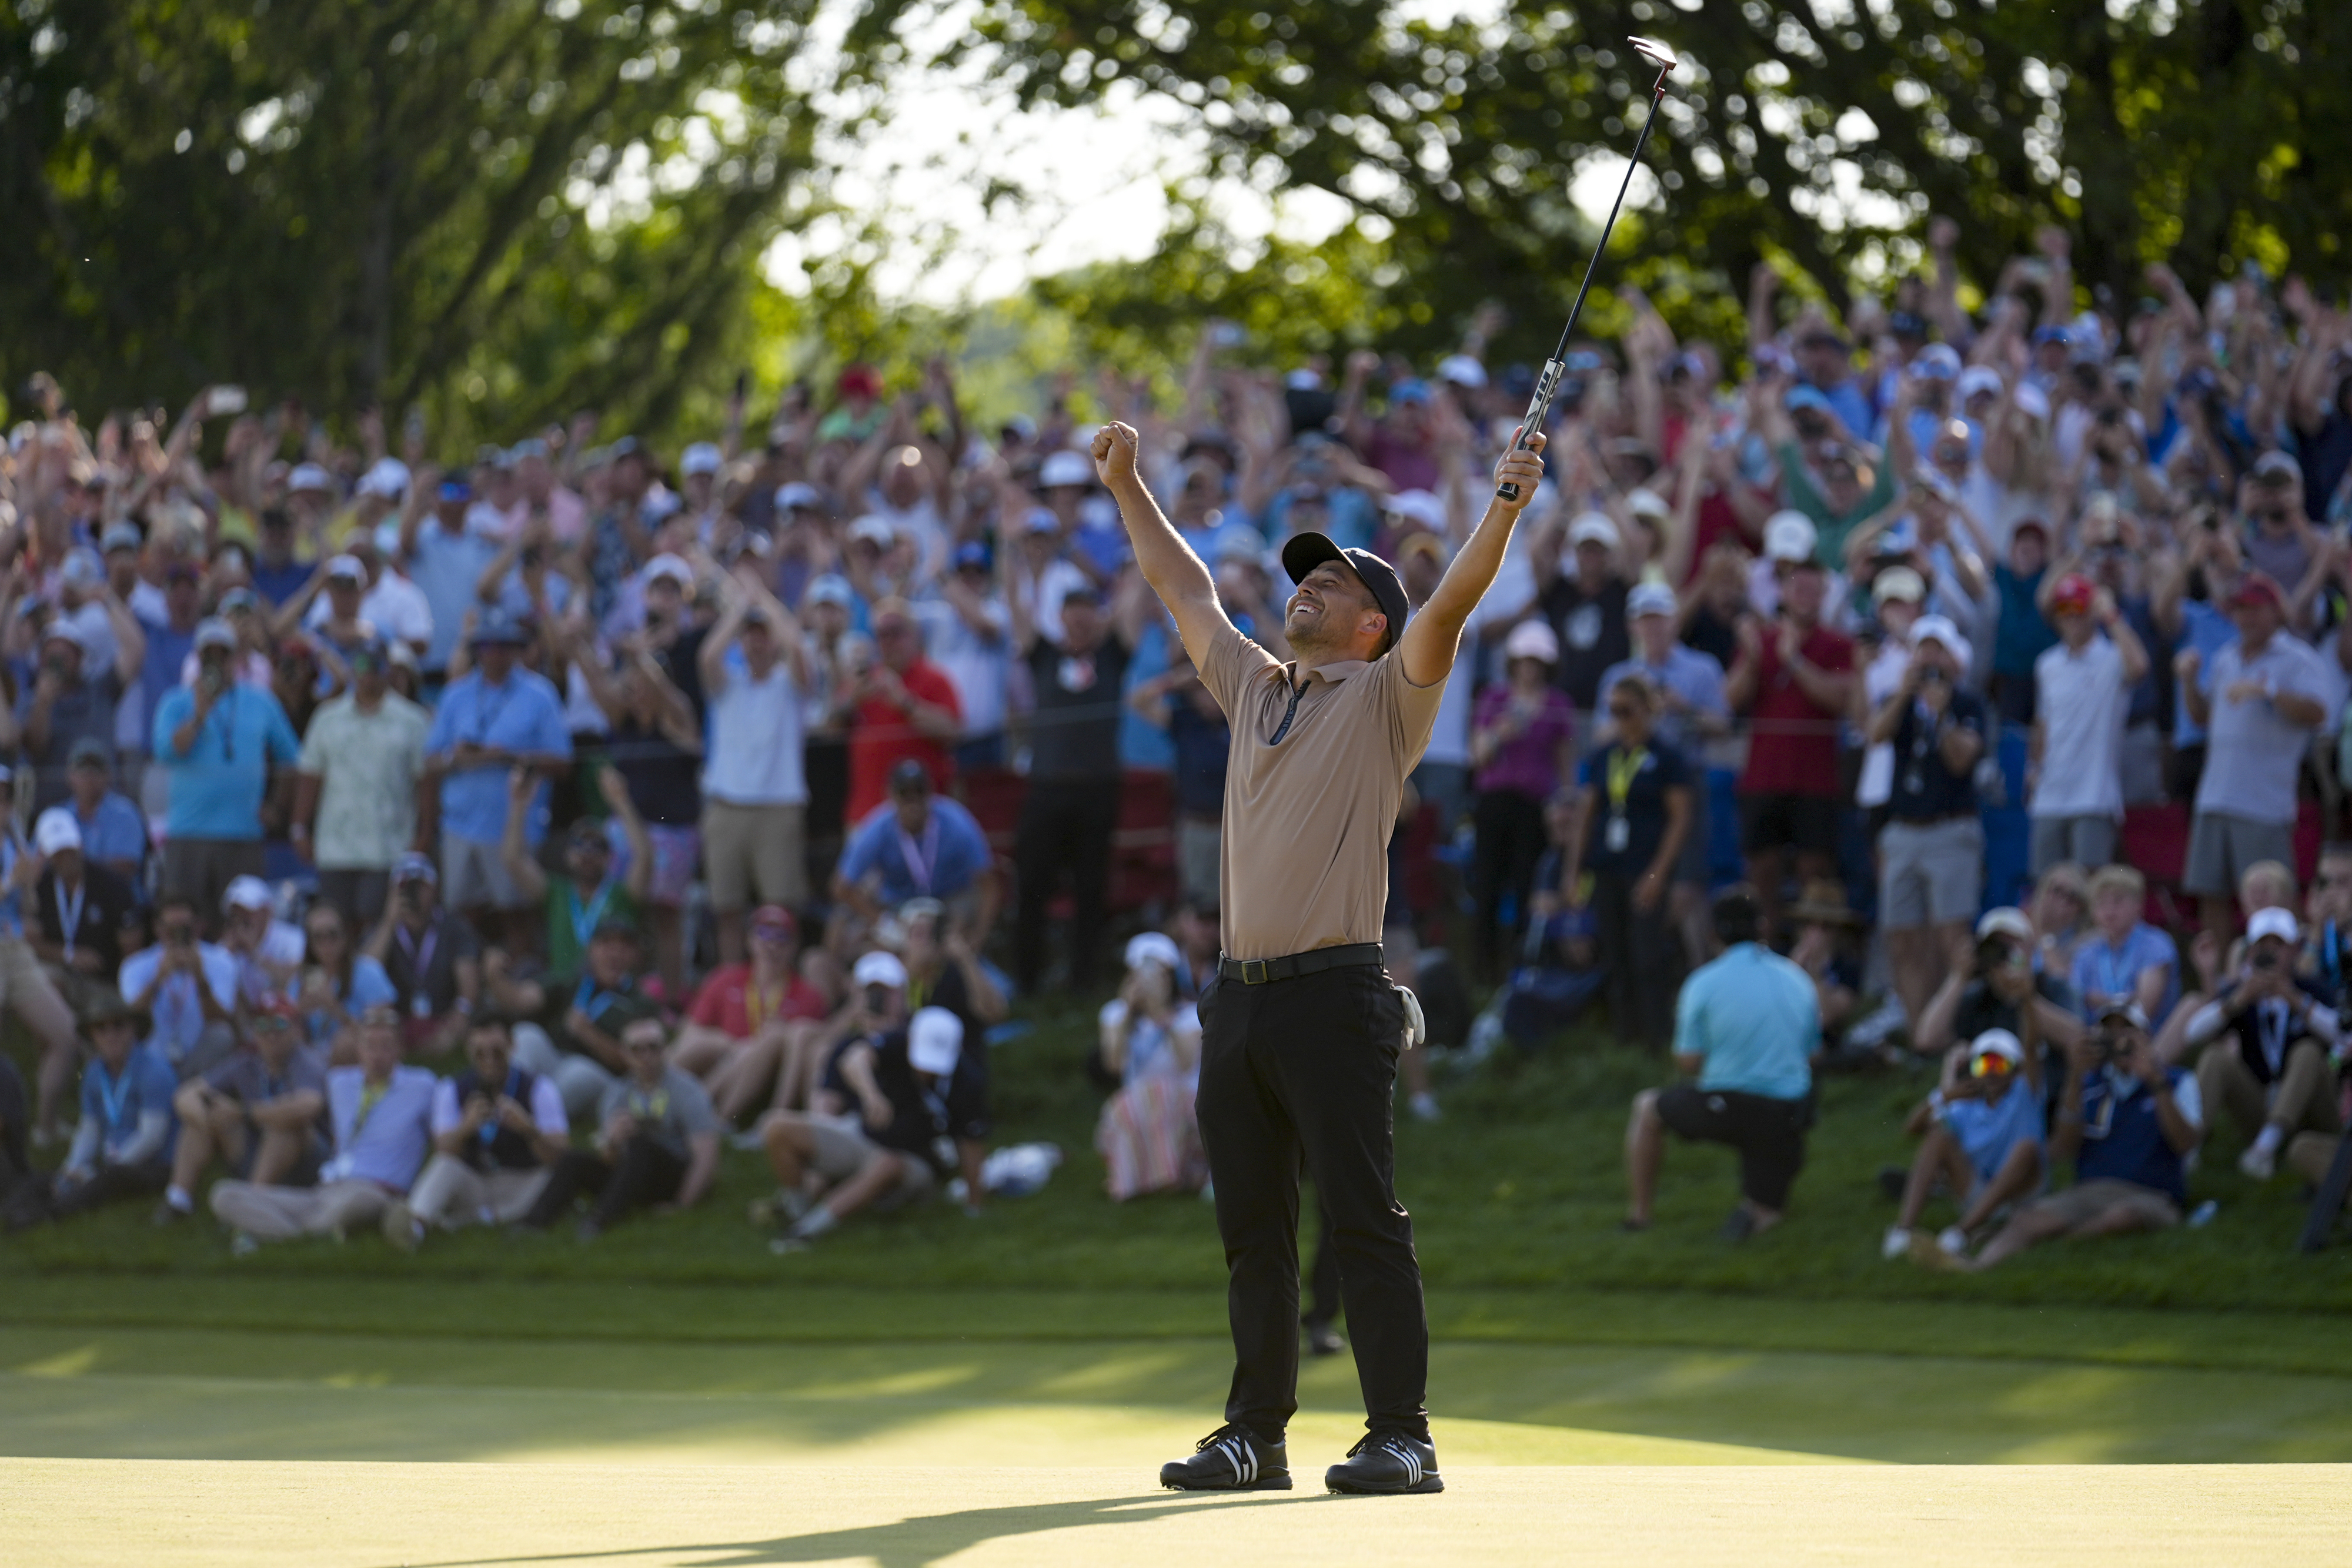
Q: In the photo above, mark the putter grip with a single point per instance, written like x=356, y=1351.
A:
x=1538, y=406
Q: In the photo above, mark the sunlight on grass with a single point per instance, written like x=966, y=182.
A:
x=65, y=1364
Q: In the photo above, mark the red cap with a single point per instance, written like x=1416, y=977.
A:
x=774, y=920
x=2074, y=594
x=2256, y=588
x=860, y=381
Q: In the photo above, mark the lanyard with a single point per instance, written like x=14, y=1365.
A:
x=755, y=1000
x=224, y=710
x=112, y=1095
x=1624, y=766
x=370, y=1096
x=2331, y=960
x=584, y=918
x=487, y=716
x=2110, y=962
x=69, y=913
x=589, y=994
x=651, y=1109
x=420, y=954
x=921, y=860
x=2273, y=1018
x=490, y=1128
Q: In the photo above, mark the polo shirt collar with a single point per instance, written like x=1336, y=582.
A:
x=1334, y=671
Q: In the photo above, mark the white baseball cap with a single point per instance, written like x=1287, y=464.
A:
x=874, y=531
x=2278, y=923
x=1940, y=628
x=1899, y=582
x=1065, y=467
x=248, y=892
x=799, y=494
x=1998, y=1042
x=56, y=830
x=1789, y=535
x=1650, y=598
x=1532, y=640
x=1154, y=948
x=672, y=567
x=1462, y=371
x=1979, y=379
x=1645, y=502
x=1420, y=506
x=1593, y=528
x=309, y=476
x=2007, y=921
x=934, y=1041
x=880, y=969
x=387, y=477
x=346, y=566
x=702, y=457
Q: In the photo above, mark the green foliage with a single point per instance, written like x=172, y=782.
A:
x=507, y=209
x=2194, y=132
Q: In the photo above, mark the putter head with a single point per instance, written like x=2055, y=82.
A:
x=1656, y=53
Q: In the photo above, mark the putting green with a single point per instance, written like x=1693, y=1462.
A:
x=104, y=1513
x=218, y=1394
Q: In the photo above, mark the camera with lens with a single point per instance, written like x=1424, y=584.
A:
x=1997, y=953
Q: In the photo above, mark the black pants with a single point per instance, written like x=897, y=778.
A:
x=1323, y=1280
x=1301, y=1074
x=1510, y=840
x=644, y=1174
x=1638, y=953
x=1066, y=825
x=1769, y=1134
x=112, y=1184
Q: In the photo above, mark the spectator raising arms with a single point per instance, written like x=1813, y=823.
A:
x=755, y=676
x=1519, y=746
x=215, y=742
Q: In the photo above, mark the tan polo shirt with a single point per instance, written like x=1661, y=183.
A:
x=1304, y=861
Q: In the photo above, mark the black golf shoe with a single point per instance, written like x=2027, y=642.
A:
x=1386, y=1463
x=1231, y=1459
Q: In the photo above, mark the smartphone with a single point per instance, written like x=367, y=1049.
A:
x=743, y=385
x=413, y=427
x=224, y=401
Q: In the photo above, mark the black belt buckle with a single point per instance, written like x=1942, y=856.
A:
x=1262, y=976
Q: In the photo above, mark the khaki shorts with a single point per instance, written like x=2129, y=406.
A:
x=2089, y=1199
x=473, y=875
x=842, y=1150
x=744, y=846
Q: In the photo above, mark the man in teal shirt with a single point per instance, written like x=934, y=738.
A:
x=216, y=740
x=1746, y=1029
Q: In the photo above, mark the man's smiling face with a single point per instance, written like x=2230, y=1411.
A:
x=1327, y=607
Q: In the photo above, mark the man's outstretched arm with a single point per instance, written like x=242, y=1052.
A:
x=1181, y=577
x=1434, y=634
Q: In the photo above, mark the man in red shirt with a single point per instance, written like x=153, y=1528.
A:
x=1794, y=680
x=902, y=705
x=750, y=1022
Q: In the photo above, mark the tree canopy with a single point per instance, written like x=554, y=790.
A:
x=1821, y=136
x=509, y=208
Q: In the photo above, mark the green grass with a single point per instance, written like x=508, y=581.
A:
x=1515, y=1195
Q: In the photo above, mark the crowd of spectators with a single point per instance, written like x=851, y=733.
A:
x=666, y=797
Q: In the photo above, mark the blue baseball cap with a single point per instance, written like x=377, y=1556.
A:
x=972, y=552
x=1804, y=396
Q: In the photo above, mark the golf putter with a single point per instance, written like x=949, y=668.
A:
x=1547, y=384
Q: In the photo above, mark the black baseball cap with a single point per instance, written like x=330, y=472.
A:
x=1304, y=552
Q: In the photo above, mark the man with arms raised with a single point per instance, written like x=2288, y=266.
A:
x=1302, y=1028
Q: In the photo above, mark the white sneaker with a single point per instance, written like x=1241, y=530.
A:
x=1423, y=1107
x=2258, y=1162
x=1896, y=1243
x=1870, y=1033
x=1953, y=1241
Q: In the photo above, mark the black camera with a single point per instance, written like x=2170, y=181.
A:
x=2262, y=960
x=1996, y=952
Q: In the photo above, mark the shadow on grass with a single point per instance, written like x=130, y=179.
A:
x=909, y=1542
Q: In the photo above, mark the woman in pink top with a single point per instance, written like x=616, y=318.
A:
x=1519, y=736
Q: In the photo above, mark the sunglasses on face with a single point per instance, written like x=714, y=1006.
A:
x=1623, y=710
x=1989, y=1066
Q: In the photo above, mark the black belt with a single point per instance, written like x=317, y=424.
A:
x=1258, y=971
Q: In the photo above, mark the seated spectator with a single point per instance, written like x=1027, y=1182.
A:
x=337, y=986
x=113, y=832
x=215, y=742
x=2061, y=913
x=872, y=1134
x=494, y=720
x=2269, y=1040
x=2125, y=958
x=261, y=1113
x=917, y=844
x=498, y=1133
x=83, y=906
x=378, y=1114
x=1983, y=1142
x=2327, y=933
x=1992, y=986
x=430, y=955
x=123, y=1147
x=1746, y=1029
x=2128, y=1122
x=1931, y=852
x=750, y=1026
x=268, y=951
x=2082, y=686
x=1150, y=1048
x=1825, y=950
x=657, y=1146
x=1634, y=809
x=584, y=1057
x=592, y=888
x=944, y=971
x=187, y=986
x=2260, y=700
